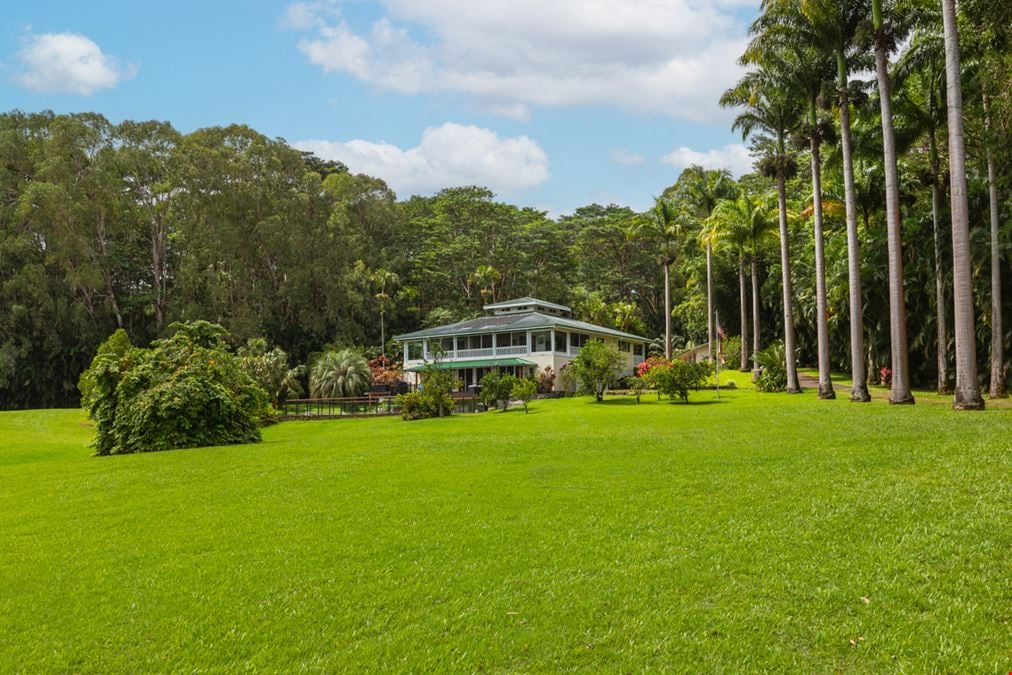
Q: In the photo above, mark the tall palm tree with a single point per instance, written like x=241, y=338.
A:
x=920, y=72
x=744, y=223
x=384, y=280
x=701, y=189
x=884, y=44
x=806, y=68
x=997, y=387
x=830, y=26
x=663, y=226
x=771, y=108
x=967, y=392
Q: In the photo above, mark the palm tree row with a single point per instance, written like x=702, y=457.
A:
x=801, y=59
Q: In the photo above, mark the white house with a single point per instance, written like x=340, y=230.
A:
x=522, y=336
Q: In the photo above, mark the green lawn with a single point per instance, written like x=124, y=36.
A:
x=763, y=532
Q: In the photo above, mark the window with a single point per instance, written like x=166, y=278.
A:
x=578, y=339
x=624, y=346
x=415, y=350
x=446, y=344
x=477, y=342
x=560, y=341
x=638, y=349
x=518, y=339
x=541, y=341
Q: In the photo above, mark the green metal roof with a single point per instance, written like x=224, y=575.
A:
x=510, y=322
x=478, y=363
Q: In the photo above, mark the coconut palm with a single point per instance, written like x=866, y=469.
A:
x=743, y=224
x=338, y=374
x=663, y=226
x=772, y=110
x=967, y=391
x=701, y=189
x=384, y=280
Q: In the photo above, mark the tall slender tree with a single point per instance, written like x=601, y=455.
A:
x=663, y=226
x=967, y=391
x=770, y=107
x=899, y=350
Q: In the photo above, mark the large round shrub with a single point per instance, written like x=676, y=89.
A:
x=185, y=391
x=339, y=374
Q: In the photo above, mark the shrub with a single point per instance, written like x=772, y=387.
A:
x=433, y=399
x=385, y=371
x=731, y=350
x=339, y=374
x=185, y=391
x=650, y=370
x=270, y=370
x=113, y=349
x=496, y=388
x=772, y=363
x=597, y=366
x=546, y=381
x=638, y=386
x=524, y=390
x=679, y=377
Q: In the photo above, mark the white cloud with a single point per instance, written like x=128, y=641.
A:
x=67, y=63
x=625, y=157
x=448, y=155
x=734, y=157
x=671, y=57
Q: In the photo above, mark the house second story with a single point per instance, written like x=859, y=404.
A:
x=526, y=334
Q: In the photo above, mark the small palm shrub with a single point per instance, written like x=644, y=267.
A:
x=339, y=374
x=772, y=363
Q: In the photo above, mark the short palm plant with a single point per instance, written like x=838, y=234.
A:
x=339, y=374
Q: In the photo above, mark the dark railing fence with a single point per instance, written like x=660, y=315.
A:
x=359, y=406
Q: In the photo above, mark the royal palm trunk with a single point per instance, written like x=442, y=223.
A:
x=822, y=324
x=967, y=391
x=743, y=306
x=790, y=350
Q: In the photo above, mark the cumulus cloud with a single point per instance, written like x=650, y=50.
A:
x=734, y=157
x=625, y=157
x=672, y=58
x=67, y=63
x=448, y=155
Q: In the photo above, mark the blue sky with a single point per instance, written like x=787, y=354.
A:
x=551, y=103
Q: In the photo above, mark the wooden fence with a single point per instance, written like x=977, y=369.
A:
x=359, y=406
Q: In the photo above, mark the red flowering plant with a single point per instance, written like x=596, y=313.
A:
x=651, y=370
x=885, y=375
x=385, y=371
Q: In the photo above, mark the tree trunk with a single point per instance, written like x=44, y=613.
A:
x=858, y=371
x=667, y=309
x=793, y=385
x=997, y=388
x=743, y=306
x=158, y=252
x=941, y=331
x=825, y=382
x=709, y=301
x=755, y=315
x=967, y=392
x=900, y=393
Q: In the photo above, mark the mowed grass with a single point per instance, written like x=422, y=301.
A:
x=761, y=532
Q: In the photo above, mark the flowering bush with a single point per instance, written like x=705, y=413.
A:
x=650, y=364
x=885, y=375
x=385, y=371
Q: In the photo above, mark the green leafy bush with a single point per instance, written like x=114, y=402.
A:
x=496, y=388
x=524, y=390
x=597, y=366
x=678, y=378
x=112, y=350
x=185, y=391
x=772, y=363
x=731, y=349
x=433, y=398
x=270, y=370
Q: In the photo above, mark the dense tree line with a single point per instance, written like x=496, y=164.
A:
x=136, y=226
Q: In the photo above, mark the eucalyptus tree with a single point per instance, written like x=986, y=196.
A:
x=771, y=109
x=885, y=37
x=920, y=98
x=831, y=26
x=806, y=69
x=663, y=225
x=967, y=391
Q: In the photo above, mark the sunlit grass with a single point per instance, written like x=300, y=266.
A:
x=760, y=532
